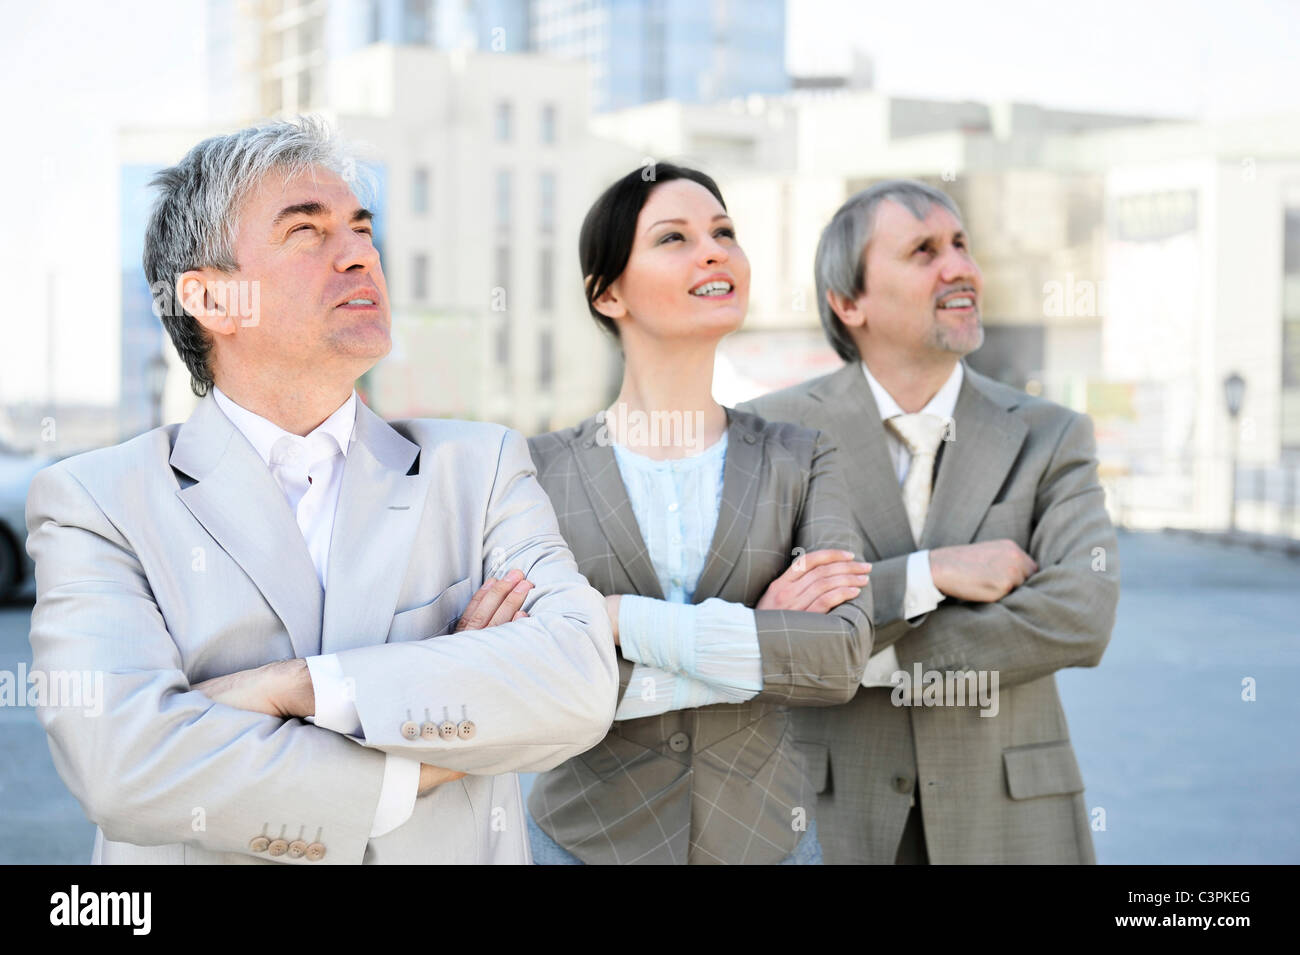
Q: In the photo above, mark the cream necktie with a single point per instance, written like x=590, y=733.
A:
x=920, y=434
x=294, y=458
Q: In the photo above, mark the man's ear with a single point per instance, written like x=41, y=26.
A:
x=200, y=294
x=608, y=303
x=846, y=309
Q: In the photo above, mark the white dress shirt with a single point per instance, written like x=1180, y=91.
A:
x=920, y=594
x=310, y=472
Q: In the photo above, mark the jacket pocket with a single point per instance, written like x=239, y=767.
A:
x=817, y=763
x=1042, y=769
x=434, y=618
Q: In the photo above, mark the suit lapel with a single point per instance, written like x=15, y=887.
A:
x=741, y=476
x=239, y=503
x=985, y=443
x=598, y=471
x=379, y=510
x=867, y=466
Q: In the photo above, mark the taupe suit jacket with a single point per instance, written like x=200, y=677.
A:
x=174, y=557
x=722, y=783
x=1005, y=788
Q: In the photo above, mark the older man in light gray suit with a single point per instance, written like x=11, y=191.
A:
x=989, y=574
x=269, y=591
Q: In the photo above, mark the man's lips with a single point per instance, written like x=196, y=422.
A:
x=360, y=300
x=962, y=302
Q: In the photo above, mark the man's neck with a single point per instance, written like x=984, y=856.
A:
x=298, y=411
x=911, y=384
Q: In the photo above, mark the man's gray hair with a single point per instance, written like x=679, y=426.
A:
x=195, y=219
x=841, y=265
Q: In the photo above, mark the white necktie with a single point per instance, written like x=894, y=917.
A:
x=294, y=460
x=920, y=434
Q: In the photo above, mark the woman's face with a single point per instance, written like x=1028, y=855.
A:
x=686, y=277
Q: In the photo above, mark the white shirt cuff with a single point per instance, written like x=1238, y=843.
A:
x=920, y=594
x=336, y=707
x=397, y=794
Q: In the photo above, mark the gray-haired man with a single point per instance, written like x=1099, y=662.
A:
x=993, y=560
x=269, y=590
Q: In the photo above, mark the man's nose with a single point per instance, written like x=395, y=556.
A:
x=958, y=265
x=358, y=252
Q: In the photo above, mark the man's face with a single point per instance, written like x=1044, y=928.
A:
x=308, y=263
x=923, y=288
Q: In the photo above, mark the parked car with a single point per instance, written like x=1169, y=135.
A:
x=16, y=472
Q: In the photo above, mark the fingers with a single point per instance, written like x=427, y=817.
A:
x=488, y=601
x=832, y=598
x=829, y=576
x=510, y=604
x=810, y=561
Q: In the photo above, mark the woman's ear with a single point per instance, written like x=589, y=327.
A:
x=608, y=302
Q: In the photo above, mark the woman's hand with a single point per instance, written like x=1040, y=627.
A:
x=817, y=582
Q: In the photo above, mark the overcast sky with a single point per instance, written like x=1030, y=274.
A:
x=74, y=72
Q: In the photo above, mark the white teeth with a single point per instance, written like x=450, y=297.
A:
x=713, y=288
x=360, y=301
x=959, y=302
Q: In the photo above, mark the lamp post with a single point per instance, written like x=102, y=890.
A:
x=1234, y=389
x=156, y=374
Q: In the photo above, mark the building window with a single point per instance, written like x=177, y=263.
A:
x=548, y=124
x=304, y=89
x=416, y=20
x=420, y=191
x=503, y=342
x=503, y=198
x=546, y=279
x=501, y=267
x=504, y=120
x=546, y=202
x=545, y=360
x=420, y=277
x=375, y=24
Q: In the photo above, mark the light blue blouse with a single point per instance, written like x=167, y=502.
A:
x=686, y=655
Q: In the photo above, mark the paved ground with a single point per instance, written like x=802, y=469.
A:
x=1186, y=771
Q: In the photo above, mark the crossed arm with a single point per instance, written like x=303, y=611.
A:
x=161, y=753
x=1061, y=615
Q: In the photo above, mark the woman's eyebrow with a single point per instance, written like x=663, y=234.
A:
x=720, y=215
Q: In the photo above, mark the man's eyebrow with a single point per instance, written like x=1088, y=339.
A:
x=312, y=208
x=720, y=215
x=920, y=238
x=363, y=215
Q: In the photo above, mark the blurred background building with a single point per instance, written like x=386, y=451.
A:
x=1132, y=263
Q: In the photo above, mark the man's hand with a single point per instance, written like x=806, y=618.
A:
x=281, y=689
x=817, y=582
x=496, y=602
x=984, y=572
x=432, y=776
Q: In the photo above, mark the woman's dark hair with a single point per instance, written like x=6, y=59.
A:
x=608, y=231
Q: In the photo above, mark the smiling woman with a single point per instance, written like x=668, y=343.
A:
x=687, y=525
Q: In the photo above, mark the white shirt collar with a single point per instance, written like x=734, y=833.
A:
x=263, y=434
x=941, y=405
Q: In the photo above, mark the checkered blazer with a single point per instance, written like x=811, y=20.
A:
x=722, y=783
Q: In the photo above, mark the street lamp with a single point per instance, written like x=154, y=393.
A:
x=156, y=376
x=1234, y=389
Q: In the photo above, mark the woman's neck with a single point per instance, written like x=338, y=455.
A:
x=665, y=407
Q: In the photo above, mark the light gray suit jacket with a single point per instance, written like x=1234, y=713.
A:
x=721, y=783
x=174, y=557
x=995, y=789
